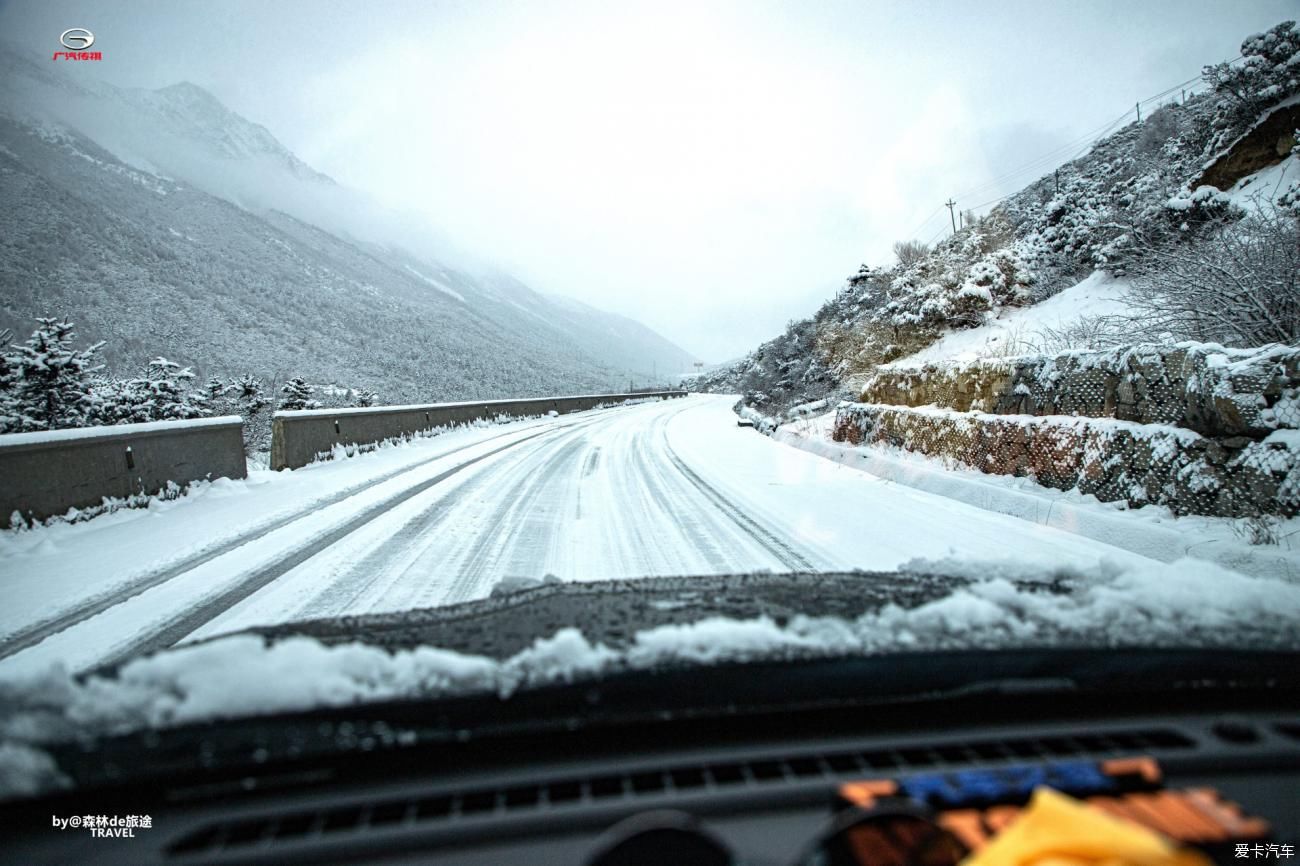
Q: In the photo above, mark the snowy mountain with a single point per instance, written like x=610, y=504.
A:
x=166, y=224
x=1180, y=226
x=199, y=118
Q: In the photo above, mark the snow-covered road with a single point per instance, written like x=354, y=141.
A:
x=663, y=488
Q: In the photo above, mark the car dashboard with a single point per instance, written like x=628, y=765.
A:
x=760, y=787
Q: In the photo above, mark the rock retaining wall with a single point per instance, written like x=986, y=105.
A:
x=1138, y=463
x=1202, y=387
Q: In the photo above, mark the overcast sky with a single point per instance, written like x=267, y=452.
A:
x=713, y=169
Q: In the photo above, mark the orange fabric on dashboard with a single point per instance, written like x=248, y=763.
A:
x=1056, y=830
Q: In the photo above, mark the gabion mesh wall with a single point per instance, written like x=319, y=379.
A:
x=1202, y=387
x=1139, y=464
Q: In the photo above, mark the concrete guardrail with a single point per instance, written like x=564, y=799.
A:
x=46, y=473
x=298, y=437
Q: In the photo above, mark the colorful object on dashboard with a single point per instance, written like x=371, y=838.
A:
x=1009, y=785
x=1062, y=831
x=976, y=805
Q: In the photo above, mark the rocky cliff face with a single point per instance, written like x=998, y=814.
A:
x=1266, y=144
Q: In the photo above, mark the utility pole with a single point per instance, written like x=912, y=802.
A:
x=950, y=204
x=1057, y=176
x=1137, y=106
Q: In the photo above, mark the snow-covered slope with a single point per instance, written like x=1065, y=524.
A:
x=1084, y=313
x=1038, y=328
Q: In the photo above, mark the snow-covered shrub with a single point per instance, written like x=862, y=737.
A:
x=1289, y=200
x=1003, y=276
x=244, y=396
x=1240, y=286
x=910, y=252
x=1158, y=128
x=298, y=395
x=1267, y=73
x=216, y=389
x=1206, y=207
x=955, y=285
x=166, y=394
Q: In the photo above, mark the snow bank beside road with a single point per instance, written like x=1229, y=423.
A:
x=1186, y=603
x=1152, y=531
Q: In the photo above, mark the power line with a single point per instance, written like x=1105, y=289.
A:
x=934, y=213
x=1087, y=140
x=1076, y=148
x=1088, y=137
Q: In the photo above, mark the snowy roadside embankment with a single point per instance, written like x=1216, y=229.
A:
x=1153, y=531
x=1196, y=427
x=1068, y=315
x=1185, y=604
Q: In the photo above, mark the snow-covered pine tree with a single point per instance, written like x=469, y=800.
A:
x=247, y=391
x=162, y=394
x=8, y=402
x=6, y=374
x=47, y=380
x=246, y=398
x=6, y=382
x=112, y=402
x=364, y=397
x=297, y=395
x=216, y=389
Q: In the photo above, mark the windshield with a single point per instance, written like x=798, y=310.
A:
x=400, y=352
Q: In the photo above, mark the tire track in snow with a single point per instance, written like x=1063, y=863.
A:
x=776, y=546
x=628, y=533
x=34, y=633
x=657, y=481
x=506, y=520
x=412, y=542
x=182, y=625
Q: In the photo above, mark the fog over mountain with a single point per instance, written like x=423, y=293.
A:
x=167, y=224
